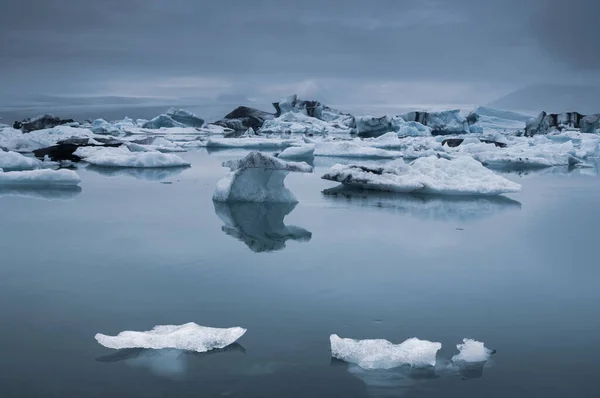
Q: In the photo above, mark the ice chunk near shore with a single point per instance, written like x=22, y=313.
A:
x=13, y=161
x=347, y=149
x=472, y=351
x=188, y=337
x=122, y=157
x=431, y=175
x=258, y=177
x=45, y=177
x=382, y=354
x=298, y=152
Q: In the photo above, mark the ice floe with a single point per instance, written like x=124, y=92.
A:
x=431, y=175
x=472, y=351
x=123, y=157
x=382, y=354
x=258, y=177
x=350, y=149
x=189, y=337
x=13, y=161
x=298, y=152
x=43, y=177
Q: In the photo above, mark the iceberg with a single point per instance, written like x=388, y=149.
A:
x=249, y=143
x=242, y=118
x=348, y=149
x=409, y=129
x=298, y=123
x=13, y=161
x=188, y=337
x=162, y=121
x=41, y=122
x=440, y=123
x=472, y=351
x=315, y=109
x=17, y=141
x=184, y=117
x=431, y=175
x=260, y=225
x=43, y=177
x=382, y=354
x=298, y=152
x=370, y=126
x=258, y=178
x=122, y=157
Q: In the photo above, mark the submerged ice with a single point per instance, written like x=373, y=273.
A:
x=189, y=337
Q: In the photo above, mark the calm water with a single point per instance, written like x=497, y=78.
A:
x=129, y=251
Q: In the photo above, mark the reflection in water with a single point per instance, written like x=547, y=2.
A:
x=260, y=225
x=433, y=207
x=42, y=192
x=148, y=174
x=392, y=382
x=470, y=370
x=168, y=363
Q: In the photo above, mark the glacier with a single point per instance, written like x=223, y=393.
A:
x=382, y=354
x=188, y=337
x=430, y=175
x=258, y=177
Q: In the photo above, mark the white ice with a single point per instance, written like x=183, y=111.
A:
x=16, y=162
x=123, y=157
x=472, y=351
x=298, y=152
x=258, y=177
x=250, y=143
x=348, y=149
x=382, y=354
x=46, y=177
x=300, y=123
x=17, y=141
x=431, y=175
x=189, y=337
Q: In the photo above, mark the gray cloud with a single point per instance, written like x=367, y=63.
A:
x=427, y=50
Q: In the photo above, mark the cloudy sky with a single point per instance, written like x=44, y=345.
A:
x=405, y=51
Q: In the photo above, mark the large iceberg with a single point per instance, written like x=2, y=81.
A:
x=16, y=162
x=242, y=118
x=260, y=225
x=349, y=149
x=123, y=157
x=258, y=178
x=315, y=109
x=441, y=123
x=189, y=337
x=299, y=123
x=382, y=354
x=431, y=175
x=41, y=122
x=184, y=117
x=44, y=177
x=162, y=121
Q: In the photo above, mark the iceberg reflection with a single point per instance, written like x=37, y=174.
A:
x=147, y=174
x=260, y=225
x=42, y=192
x=395, y=382
x=431, y=207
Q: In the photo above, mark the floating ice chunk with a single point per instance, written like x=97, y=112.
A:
x=300, y=123
x=39, y=178
x=16, y=162
x=431, y=175
x=371, y=126
x=382, y=354
x=472, y=351
x=258, y=178
x=16, y=141
x=122, y=157
x=347, y=149
x=162, y=121
x=184, y=117
x=298, y=152
x=260, y=225
x=249, y=142
x=189, y=337
x=409, y=129
x=386, y=141
x=101, y=126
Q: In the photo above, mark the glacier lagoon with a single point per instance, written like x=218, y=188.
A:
x=131, y=249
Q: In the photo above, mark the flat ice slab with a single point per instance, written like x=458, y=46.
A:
x=122, y=157
x=298, y=152
x=189, y=337
x=249, y=143
x=17, y=162
x=382, y=354
x=348, y=149
x=39, y=178
x=258, y=177
x=431, y=175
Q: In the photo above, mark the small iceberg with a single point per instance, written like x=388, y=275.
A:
x=122, y=157
x=188, y=337
x=298, y=152
x=260, y=225
x=348, y=149
x=472, y=351
x=14, y=161
x=431, y=175
x=45, y=177
x=258, y=178
x=382, y=354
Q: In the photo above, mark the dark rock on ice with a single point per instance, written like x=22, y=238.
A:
x=242, y=118
x=454, y=142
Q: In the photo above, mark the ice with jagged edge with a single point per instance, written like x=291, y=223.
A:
x=258, y=177
x=472, y=351
x=351, y=149
x=43, y=177
x=306, y=151
x=431, y=175
x=250, y=143
x=17, y=141
x=300, y=123
x=123, y=157
x=382, y=354
x=14, y=161
x=188, y=337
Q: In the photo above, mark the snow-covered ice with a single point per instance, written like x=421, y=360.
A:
x=299, y=123
x=382, y=354
x=349, y=149
x=123, y=157
x=189, y=337
x=43, y=177
x=472, y=351
x=258, y=177
x=13, y=161
x=298, y=152
x=431, y=175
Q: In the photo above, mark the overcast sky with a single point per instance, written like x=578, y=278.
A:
x=405, y=51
